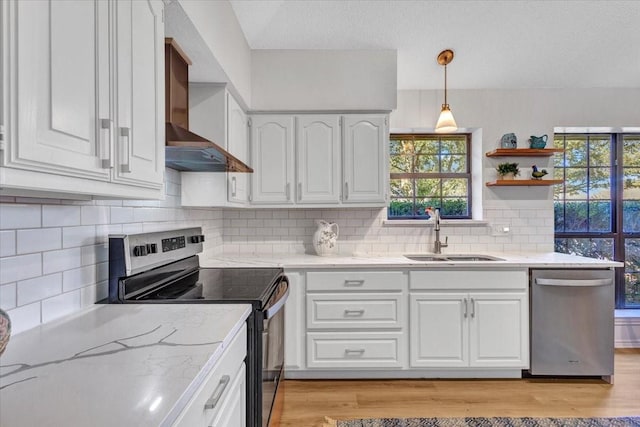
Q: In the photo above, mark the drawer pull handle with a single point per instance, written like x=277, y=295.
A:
x=354, y=282
x=217, y=393
x=349, y=351
x=348, y=312
x=473, y=308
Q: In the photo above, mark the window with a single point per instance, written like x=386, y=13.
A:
x=430, y=170
x=597, y=209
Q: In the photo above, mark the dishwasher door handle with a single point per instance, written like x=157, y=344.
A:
x=573, y=282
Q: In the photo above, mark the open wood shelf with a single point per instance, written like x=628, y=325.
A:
x=524, y=152
x=523, y=182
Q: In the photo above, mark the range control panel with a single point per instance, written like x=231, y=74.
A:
x=146, y=250
x=173, y=243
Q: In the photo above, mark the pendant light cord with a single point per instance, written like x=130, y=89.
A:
x=445, y=84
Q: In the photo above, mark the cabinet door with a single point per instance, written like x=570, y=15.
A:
x=140, y=92
x=58, y=87
x=237, y=144
x=233, y=413
x=439, y=330
x=294, y=323
x=365, y=147
x=499, y=330
x=318, y=159
x=272, y=159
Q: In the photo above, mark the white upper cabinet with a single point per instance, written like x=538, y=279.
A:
x=318, y=159
x=365, y=157
x=216, y=115
x=73, y=77
x=238, y=145
x=339, y=160
x=272, y=159
x=140, y=89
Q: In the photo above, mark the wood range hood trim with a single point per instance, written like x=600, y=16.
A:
x=185, y=150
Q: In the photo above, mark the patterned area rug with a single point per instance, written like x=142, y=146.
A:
x=487, y=422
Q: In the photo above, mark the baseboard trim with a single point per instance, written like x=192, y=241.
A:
x=627, y=332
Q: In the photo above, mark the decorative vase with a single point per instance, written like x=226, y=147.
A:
x=5, y=330
x=325, y=238
x=508, y=177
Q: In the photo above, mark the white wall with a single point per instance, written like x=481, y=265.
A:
x=217, y=24
x=54, y=253
x=527, y=211
x=524, y=112
x=324, y=79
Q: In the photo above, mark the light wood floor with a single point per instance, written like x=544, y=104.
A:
x=307, y=402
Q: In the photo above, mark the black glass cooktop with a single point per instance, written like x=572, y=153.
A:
x=232, y=285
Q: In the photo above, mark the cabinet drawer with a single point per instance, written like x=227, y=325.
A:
x=354, y=311
x=218, y=382
x=468, y=279
x=340, y=350
x=356, y=281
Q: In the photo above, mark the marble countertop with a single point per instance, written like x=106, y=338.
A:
x=305, y=261
x=114, y=365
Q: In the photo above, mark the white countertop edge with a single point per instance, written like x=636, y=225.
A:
x=431, y=223
x=190, y=391
x=369, y=260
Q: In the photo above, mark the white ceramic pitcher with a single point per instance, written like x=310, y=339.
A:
x=325, y=237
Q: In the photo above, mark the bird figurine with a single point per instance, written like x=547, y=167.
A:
x=536, y=174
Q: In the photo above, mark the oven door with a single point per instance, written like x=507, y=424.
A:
x=273, y=352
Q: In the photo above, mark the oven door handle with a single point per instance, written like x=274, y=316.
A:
x=271, y=311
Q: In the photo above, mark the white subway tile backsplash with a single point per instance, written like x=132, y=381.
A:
x=20, y=267
x=95, y=254
x=89, y=295
x=39, y=288
x=78, y=277
x=20, y=216
x=38, y=240
x=60, y=216
x=65, y=259
x=61, y=305
x=78, y=236
x=93, y=215
x=121, y=215
x=25, y=317
x=7, y=243
x=8, y=297
x=103, y=232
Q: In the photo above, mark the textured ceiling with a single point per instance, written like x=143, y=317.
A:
x=497, y=44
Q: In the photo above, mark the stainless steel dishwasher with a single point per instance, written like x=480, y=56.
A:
x=572, y=322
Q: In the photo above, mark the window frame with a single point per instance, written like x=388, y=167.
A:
x=433, y=175
x=616, y=232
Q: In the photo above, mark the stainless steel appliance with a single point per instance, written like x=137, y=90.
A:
x=163, y=267
x=572, y=322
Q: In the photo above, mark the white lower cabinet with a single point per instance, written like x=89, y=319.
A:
x=482, y=328
x=407, y=323
x=348, y=350
x=356, y=319
x=220, y=401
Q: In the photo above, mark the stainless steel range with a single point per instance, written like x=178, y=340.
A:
x=163, y=268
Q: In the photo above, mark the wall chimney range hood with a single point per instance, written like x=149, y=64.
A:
x=184, y=150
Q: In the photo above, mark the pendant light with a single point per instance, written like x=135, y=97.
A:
x=446, y=122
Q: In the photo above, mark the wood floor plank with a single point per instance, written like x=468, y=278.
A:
x=307, y=402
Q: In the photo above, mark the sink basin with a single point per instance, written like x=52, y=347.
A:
x=452, y=257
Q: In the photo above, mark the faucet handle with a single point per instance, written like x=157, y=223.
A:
x=446, y=242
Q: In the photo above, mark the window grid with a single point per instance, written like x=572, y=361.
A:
x=416, y=150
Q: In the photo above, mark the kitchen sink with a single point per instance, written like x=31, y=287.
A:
x=452, y=257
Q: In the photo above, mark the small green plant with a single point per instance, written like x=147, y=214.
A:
x=507, y=168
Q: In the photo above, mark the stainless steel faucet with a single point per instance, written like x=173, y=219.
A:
x=438, y=245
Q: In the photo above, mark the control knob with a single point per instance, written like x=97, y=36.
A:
x=197, y=239
x=140, y=250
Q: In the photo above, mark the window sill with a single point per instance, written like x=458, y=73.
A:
x=632, y=313
x=431, y=223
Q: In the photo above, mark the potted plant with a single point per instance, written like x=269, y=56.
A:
x=508, y=170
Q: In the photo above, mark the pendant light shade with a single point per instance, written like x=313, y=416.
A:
x=446, y=122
